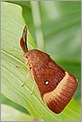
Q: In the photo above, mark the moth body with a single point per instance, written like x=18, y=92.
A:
x=56, y=85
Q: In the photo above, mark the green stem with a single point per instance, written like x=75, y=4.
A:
x=37, y=24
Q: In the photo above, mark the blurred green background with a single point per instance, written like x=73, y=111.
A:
x=56, y=29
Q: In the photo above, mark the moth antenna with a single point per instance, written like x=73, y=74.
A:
x=23, y=40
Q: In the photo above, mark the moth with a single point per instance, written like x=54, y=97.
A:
x=56, y=86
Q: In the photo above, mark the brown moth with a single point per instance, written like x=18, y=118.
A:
x=56, y=85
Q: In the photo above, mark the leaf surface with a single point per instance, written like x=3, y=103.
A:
x=12, y=78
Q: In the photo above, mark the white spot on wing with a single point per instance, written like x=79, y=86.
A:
x=46, y=82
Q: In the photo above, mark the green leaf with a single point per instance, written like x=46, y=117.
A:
x=27, y=14
x=6, y=114
x=7, y=101
x=12, y=78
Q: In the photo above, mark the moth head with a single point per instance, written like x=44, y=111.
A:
x=25, y=55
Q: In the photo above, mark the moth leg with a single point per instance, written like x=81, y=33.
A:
x=24, y=64
x=20, y=66
x=26, y=78
x=33, y=88
x=24, y=82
